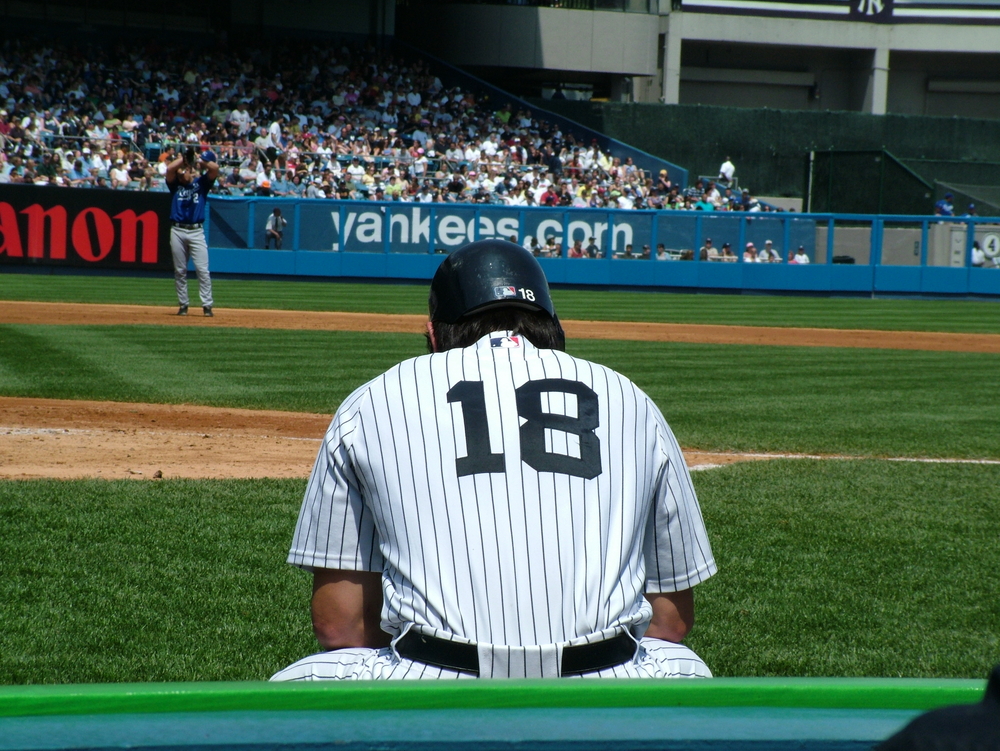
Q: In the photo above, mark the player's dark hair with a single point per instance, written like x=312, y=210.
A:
x=536, y=326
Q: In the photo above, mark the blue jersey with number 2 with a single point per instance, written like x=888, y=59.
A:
x=187, y=202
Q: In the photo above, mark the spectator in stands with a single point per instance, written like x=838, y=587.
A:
x=338, y=103
x=703, y=204
x=696, y=191
x=708, y=250
x=625, y=199
x=119, y=175
x=726, y=172
x=276, y=132
x=727, y=253
x=801, y=257
x=264, y=148
x=280, y=185
x=233, y=180
x=750, y=254
x=549, y=197
x=945, y=207
x=712, y=195
x=663, y=184
x=978, y=256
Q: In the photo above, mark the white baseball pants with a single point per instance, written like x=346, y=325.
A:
x=190, y=244
x=654, y=659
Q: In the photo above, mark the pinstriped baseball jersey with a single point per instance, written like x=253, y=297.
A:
x=510, y=495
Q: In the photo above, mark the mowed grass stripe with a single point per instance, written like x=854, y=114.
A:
x=304, y=371
x=141, y=581
x=854, y=568
x=717, y=398
x=723, y=309
x=22, y=312
x=825, y=569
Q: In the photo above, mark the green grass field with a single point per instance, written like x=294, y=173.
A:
x=746, y=398
x=739, y=310
x=863, y=567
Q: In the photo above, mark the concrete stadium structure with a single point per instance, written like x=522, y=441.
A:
x=874, y=56
x=917, y=57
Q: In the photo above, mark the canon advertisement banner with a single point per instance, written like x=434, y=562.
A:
x=92, y=228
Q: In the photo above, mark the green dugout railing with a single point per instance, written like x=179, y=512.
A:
x=813, y=693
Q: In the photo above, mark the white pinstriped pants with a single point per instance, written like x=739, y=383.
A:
x=654, y=659
x=190, y=243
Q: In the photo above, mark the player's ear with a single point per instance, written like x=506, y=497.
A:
x=431, y=338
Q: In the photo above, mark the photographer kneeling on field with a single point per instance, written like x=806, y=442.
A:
x=274, y=229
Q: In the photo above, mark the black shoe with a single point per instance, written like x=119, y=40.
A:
x=182, y=310
x=208, y=311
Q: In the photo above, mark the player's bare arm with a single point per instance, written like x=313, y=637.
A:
x=347, y=609
x=172, y=169
x=673, y=615
x=211, y=169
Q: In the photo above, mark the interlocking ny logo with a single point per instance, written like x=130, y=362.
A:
x=870, y=7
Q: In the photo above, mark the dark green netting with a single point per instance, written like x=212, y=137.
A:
x=770, y=148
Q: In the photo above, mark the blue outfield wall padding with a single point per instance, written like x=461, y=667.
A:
x=944, y=281
x=845, y=278
x=319, y=263
x=406, y=241
x=984, y=282
x=697, y=275
x=906, y=279
x=395, y=240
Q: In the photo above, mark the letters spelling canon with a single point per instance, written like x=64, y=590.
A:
x=91, y=233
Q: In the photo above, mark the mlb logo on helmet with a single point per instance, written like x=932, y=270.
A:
x=503, y=293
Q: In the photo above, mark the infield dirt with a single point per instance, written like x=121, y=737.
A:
x=76, y=439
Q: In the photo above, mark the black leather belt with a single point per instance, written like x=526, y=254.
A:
x=187, y=226
x=454, y=655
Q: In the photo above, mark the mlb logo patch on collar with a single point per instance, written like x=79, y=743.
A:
x=505, y=342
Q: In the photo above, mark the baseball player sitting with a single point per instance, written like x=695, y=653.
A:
x=499, y=508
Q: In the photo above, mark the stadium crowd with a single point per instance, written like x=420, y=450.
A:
x=311, y=121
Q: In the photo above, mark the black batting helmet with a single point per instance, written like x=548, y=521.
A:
x=487, y=274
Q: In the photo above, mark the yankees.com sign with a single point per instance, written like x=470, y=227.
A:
x=362, y=227
x=84, y=228
x=418, y=228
